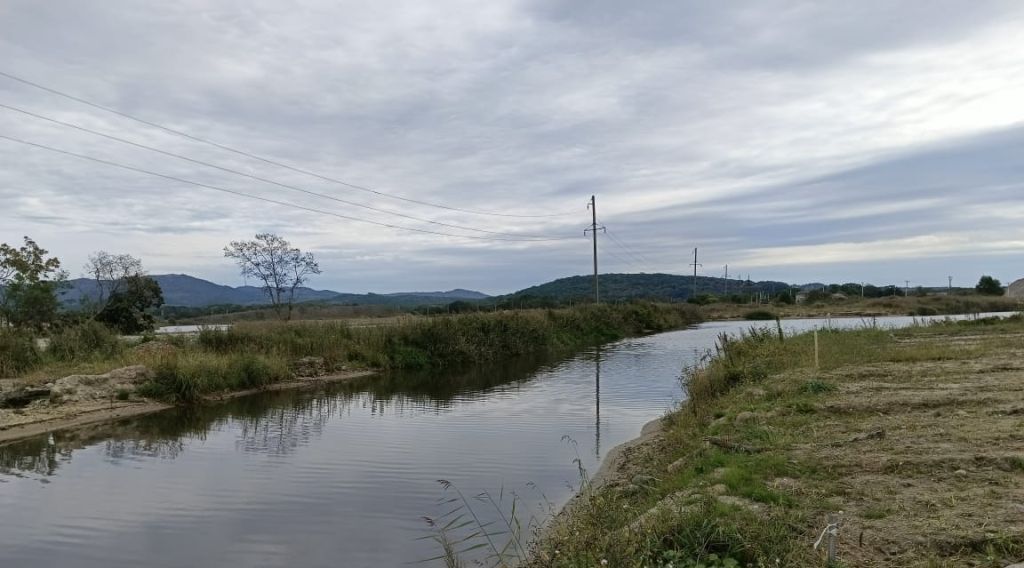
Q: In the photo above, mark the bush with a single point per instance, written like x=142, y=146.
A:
x=759, y=315
x=89, y=340
x=187, y=378
x=18, y=353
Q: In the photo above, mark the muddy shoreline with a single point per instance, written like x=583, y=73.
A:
x=85, y=414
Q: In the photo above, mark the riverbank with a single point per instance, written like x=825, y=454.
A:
x=912, y=437
x=934, y=305
x=87, y=371
x=42, y=418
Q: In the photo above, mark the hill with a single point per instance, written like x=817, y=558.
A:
x=456, y=294
x=189, y=291
x=650, y=286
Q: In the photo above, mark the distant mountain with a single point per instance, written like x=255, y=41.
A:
x=651, y=286
x=189, y=291
x=456, y=294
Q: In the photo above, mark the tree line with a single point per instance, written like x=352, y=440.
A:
x=121, y=295
x=32, y=282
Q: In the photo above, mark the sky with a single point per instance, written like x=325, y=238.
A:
x=797, y=141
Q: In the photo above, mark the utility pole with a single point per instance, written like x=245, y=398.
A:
x=593, y=230
x=906, y=289
x=861, y=289
x=949, y=287
x=695, y=265
x=726, y=279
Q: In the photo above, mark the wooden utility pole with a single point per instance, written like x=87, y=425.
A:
x=906, y=289
x=695, y=265
x=949, y=287
x=726, y=280
x=593, y=230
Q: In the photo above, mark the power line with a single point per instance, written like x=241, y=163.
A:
x=267, y=160
x=640, y=259
x=621, y=259
x=261, y=179
x=257, y=197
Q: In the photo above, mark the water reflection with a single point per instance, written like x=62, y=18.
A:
x=273, y=423
x=597, y=402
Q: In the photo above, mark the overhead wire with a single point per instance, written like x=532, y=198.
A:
x=264, y=180
x=628, y=263
x=268, y=160
x=636, y=256
x=261, y=198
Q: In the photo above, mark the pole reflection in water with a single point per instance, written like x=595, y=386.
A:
x=597, y=402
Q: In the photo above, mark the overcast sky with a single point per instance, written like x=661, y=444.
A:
x=798, y=141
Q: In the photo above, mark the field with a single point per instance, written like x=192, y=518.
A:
x=911, y=438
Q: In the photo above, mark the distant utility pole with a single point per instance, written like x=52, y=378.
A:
x=949, y=287
x=695, y=265
x=906, y=290
x=593, y=231
x=861, y=289
x=726, y=280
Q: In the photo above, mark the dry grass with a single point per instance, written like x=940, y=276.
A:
x=887, y=306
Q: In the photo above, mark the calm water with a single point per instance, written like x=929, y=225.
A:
x=335, y=477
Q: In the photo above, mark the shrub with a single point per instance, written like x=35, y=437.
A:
x=18, y=353
x=189, y=377
x=87, y=340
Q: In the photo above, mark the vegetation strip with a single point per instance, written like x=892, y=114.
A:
x=911, y=437
x=252, y=357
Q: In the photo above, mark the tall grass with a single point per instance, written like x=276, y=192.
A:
x=252, y=355
x=188, y=377
x=89, y=340
x=436, y=342
x=18, y=353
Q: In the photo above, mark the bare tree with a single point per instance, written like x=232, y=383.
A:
x=111, y=272
x=281, y=268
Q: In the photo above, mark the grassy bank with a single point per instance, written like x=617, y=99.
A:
x=253, y=355
x=912, y=437
x=889, y=306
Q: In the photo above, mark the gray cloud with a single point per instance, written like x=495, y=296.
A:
x=752, y=130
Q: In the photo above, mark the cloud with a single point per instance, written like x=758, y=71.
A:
x=801, y=132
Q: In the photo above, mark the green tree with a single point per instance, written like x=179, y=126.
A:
x=129, y=308
x=989, y=286
x=29, y=283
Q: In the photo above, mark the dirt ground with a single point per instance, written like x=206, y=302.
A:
x=944, y=485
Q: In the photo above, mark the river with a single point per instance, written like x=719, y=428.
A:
x=340, y=476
